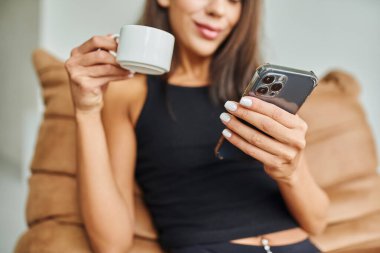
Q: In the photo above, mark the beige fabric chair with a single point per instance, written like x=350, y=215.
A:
x=340, y=152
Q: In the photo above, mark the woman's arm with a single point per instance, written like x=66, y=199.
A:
x=106, y=206
x=106, y=214
x=305, y=199
x=282, y=155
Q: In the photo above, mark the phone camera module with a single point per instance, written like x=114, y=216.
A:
x=262, y=90
x=268, y=79
x=276, y=86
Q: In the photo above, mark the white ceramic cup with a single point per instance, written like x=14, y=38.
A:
x=144, y=49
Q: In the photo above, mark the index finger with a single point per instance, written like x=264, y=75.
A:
x=96, y=42
x=273, y=111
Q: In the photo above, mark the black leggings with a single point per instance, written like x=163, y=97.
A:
x=305, y=246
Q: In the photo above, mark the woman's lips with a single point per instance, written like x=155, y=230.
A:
x=207, y=31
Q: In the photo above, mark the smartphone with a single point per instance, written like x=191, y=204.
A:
x=285, y=87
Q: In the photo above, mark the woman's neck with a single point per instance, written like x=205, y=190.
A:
x=191, y=69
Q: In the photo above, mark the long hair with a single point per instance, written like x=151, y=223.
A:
x=236, y=59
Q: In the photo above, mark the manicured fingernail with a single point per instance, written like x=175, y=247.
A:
x=226, y=133
x=246, y=101
x=225, y=117
x=231, y=106
x=131, y=74
x=113, y=53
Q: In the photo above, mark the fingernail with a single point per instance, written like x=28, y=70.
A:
x=226, y=133
x=246, y=101
x=113, y=53
x=225, y=117
x=131, y=74
x=231, y=106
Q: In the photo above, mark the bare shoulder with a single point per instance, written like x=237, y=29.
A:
x=126, y=97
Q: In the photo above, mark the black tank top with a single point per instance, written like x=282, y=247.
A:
x=192, y=196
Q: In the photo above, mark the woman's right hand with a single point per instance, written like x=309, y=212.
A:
x=91, y=67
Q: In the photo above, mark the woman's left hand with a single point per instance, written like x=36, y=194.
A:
x=280, y=154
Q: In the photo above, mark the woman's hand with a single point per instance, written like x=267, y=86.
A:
x=280, y=154
x=91, y=67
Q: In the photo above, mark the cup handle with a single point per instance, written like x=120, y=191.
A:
x=116, y=37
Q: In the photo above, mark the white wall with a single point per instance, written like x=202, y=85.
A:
x=19, y=112
x=313, y=34
x=19, y=93
x=61, y=32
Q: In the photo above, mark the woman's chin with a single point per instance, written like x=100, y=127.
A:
x=204, y=50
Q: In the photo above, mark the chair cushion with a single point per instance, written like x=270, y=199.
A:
x=52, y=200
x=52, y=196
x=340, y=145
x=52, y=236
x=353, y=199
x=55, y=149
x=340, y=152
x=350, y=233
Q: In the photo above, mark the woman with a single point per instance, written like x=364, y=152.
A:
x=162, y=130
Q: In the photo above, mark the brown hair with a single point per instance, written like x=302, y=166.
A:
x=235, y=60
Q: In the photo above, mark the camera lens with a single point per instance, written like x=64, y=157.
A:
x=276, y=86
x=268, y=79
x=262, y=90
